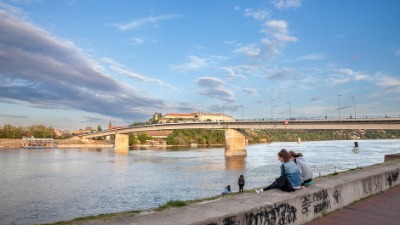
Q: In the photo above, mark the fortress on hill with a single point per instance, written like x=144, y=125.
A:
x=195, y=117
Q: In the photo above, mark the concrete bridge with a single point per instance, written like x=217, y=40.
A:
x=235, y=142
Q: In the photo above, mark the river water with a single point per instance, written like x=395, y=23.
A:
x=42, y=186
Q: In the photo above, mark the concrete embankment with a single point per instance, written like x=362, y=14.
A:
x=276, y=207
x=61, y=143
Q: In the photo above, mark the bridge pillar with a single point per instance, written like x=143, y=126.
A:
x=121, y=142
x=235, y=143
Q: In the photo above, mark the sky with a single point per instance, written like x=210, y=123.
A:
x=70, y=64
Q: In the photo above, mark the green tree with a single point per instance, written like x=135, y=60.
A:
x=143, y=137
x=133, y=140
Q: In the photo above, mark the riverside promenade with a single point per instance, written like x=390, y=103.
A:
x=332, y=194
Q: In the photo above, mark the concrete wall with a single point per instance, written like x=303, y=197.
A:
x=276, y=207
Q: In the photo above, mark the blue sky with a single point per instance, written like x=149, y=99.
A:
x=76, y=63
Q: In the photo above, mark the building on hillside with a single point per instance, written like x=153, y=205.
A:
x=215, y=117
x=195, y=117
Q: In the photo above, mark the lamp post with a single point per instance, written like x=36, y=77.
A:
x=272, y=110
x=338, y=102
x=290, y=110
x=354, y=104
x=242, y=112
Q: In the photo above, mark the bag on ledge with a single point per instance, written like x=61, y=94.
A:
x=283, y=183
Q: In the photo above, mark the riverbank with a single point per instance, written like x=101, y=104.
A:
x=60, y=143
x=78, y=143
x=328, y=194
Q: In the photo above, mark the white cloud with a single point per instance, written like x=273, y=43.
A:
x=214, y=88
x=236, y=71
x=120, y=69
x=195, y=62
x=353, y=75
x=144, y=21
x=260, y=15
x=313, y=56
x=286, y=4
x=137, y=40
x=250, y=91
x=249, y=50
x=278, y=30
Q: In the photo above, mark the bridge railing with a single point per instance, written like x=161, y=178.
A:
x=324, y=118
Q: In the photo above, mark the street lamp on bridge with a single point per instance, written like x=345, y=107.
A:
x=338, y=102
x=242, y=111
x=354, y=104
x=290, y=110
x=272, y=110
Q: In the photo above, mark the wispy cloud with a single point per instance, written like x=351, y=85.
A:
x=120, y=69
x=249, y=50
x=313, y=56
x=13, y=116
x=195, y=62
x=137, y=40
x=250, y=91
x=48, y=72
x=235, y=72
x=280, y=73
x=144, y=21
x=214, y=88
x=353, y=75
x=389, y=83
x=286, y=4
x=260, y=15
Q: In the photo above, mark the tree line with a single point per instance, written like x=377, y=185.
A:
x=18, y=132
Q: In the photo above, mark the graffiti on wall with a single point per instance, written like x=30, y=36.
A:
x=322, y=201
x=391, y=178
x=284, y=213
x=280, y=214
x=336, y=196
x=372, y=184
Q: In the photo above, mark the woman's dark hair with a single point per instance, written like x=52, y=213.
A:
x=284, y=155
x=295, y=155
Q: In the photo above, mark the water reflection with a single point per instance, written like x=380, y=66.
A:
x=235, y=162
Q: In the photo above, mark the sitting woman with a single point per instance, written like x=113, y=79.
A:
x=306, y=173
x=227, y=190
x=290, y=175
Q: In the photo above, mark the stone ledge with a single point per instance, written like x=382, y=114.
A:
x=276, y=207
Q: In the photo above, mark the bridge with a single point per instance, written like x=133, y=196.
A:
x=235, y=142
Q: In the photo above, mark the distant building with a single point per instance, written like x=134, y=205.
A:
x=111, y=127
x=195, y=117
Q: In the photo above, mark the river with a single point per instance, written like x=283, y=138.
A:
x=43, y=186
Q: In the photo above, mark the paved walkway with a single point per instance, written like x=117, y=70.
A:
x=379, y=209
